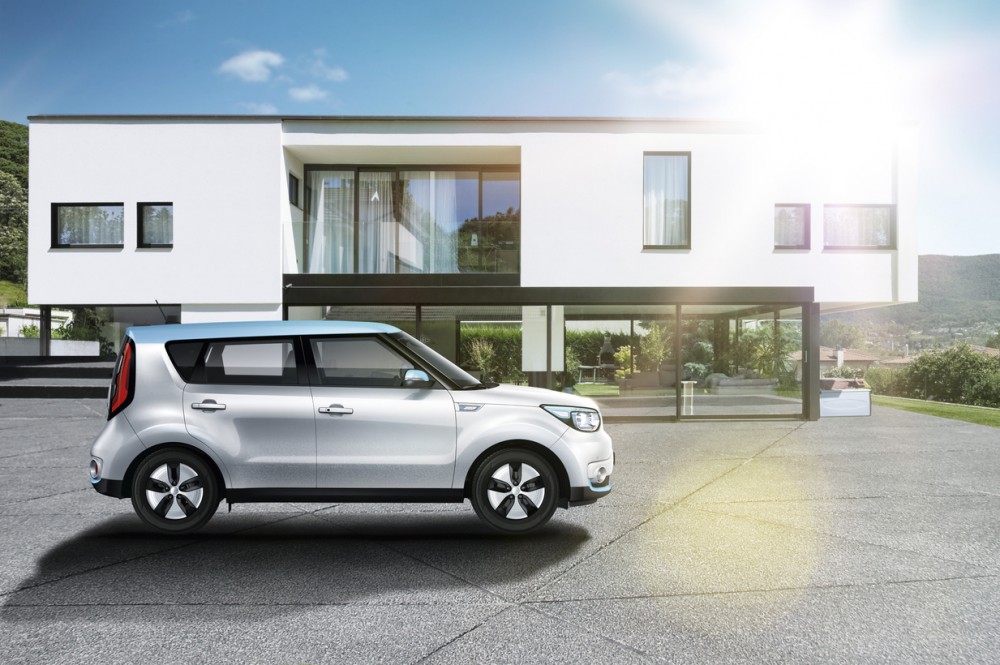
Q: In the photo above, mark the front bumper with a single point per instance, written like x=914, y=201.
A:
x=109, y=487
x=584, y=496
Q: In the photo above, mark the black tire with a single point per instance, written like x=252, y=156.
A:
x=175, y=491
x=515, y=490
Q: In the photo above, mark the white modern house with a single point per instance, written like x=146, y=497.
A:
x=430, y=223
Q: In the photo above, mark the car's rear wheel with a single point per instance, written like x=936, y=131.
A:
x=175, y=491
x=515, y=490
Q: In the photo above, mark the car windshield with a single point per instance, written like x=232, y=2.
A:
x=456, y=374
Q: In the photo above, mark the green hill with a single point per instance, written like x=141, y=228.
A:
x=960, y=294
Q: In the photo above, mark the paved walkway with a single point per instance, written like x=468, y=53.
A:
x=845, y=540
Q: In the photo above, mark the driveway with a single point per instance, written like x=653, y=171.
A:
x=845, y=540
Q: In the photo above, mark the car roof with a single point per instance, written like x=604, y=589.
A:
x=178, y=331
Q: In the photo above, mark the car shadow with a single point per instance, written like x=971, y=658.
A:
x=297, y=560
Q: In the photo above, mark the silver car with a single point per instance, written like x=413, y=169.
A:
x=321, y=411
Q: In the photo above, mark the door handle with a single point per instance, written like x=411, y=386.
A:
x=336, y=409
x=208, y=405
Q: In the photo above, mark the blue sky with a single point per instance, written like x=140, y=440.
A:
x=935, y=63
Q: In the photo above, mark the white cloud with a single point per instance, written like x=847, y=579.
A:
x=320, y=69
x=260, y=108
x=252, y=66
x=309, y=93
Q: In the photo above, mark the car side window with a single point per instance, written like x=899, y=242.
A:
x=357, y=361
x=261, y=362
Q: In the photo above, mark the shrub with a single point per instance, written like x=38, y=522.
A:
x=885, y=380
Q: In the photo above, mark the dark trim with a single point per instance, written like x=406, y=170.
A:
x=344, y=495
x=807, y=235
x=811, y=360
x=139, y=230
x=584, y=496
x=318, y=290
x=387, y=280
x=293, y=189
x=55, y=226
x=687, y=222
x=108, y=487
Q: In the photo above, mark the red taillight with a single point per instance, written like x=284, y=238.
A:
x=121, y=386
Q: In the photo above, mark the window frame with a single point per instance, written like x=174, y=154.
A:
x=807, y=222
x=293, y=189
x=316, y=380
x=139, y=228
x=55, y=226
x=687, y=221
x=357, y=169
x=199, y=375
x=863, y=248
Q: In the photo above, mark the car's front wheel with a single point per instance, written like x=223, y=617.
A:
x=515, y=490
x=175, y=491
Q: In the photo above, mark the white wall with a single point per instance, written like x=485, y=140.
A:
x=581, y=203
x=224, y=179
x=582, y=196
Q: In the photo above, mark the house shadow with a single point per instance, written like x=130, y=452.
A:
x=293, y=561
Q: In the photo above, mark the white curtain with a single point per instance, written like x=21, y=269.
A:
x=330, y=238
x=378, y=229
x=857, y=226
x=665, y=200
x=430, y=218
x=91, y=225
x=789, y=226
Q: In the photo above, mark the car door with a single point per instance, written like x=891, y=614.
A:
x=372, y=432
x=250, y=401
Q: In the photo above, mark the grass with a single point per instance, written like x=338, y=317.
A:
x=12, y=294
x=971, y=414
x=596, y=389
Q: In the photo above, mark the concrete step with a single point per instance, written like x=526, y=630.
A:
x=59, y=378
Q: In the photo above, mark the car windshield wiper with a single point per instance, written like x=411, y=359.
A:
x=480, y=386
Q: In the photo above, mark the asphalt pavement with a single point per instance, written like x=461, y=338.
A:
x=845, y=540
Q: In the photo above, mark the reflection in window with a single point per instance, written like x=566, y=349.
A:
x=88, y=225
x=271, y=362
x=156, y=224
x=358, y=361
x=389, y=221
x=666, y=203
x=791, y=226
x=859, y=226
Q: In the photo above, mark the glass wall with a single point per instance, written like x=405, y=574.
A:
x=394, y=221
x=741, y=361
x=651, y=362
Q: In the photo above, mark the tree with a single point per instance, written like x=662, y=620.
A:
x=994, y=341
x=13, y=230
x=837, y=334
x=14, y=151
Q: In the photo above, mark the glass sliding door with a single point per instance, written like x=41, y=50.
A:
x=741, y=361
x=391, y=220
x=329, y=227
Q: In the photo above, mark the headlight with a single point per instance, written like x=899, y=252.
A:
x=577, y=417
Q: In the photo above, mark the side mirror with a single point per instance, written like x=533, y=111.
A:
x=416, y=378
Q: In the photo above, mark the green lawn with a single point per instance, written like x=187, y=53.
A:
x=970, y=414
x=12, y=295
x=596, y=389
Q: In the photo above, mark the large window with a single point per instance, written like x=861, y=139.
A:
x=88, y=225
x=156, y=224
x=396, y=220
x=791, y=226
x=666, y=203
x=859, y=227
